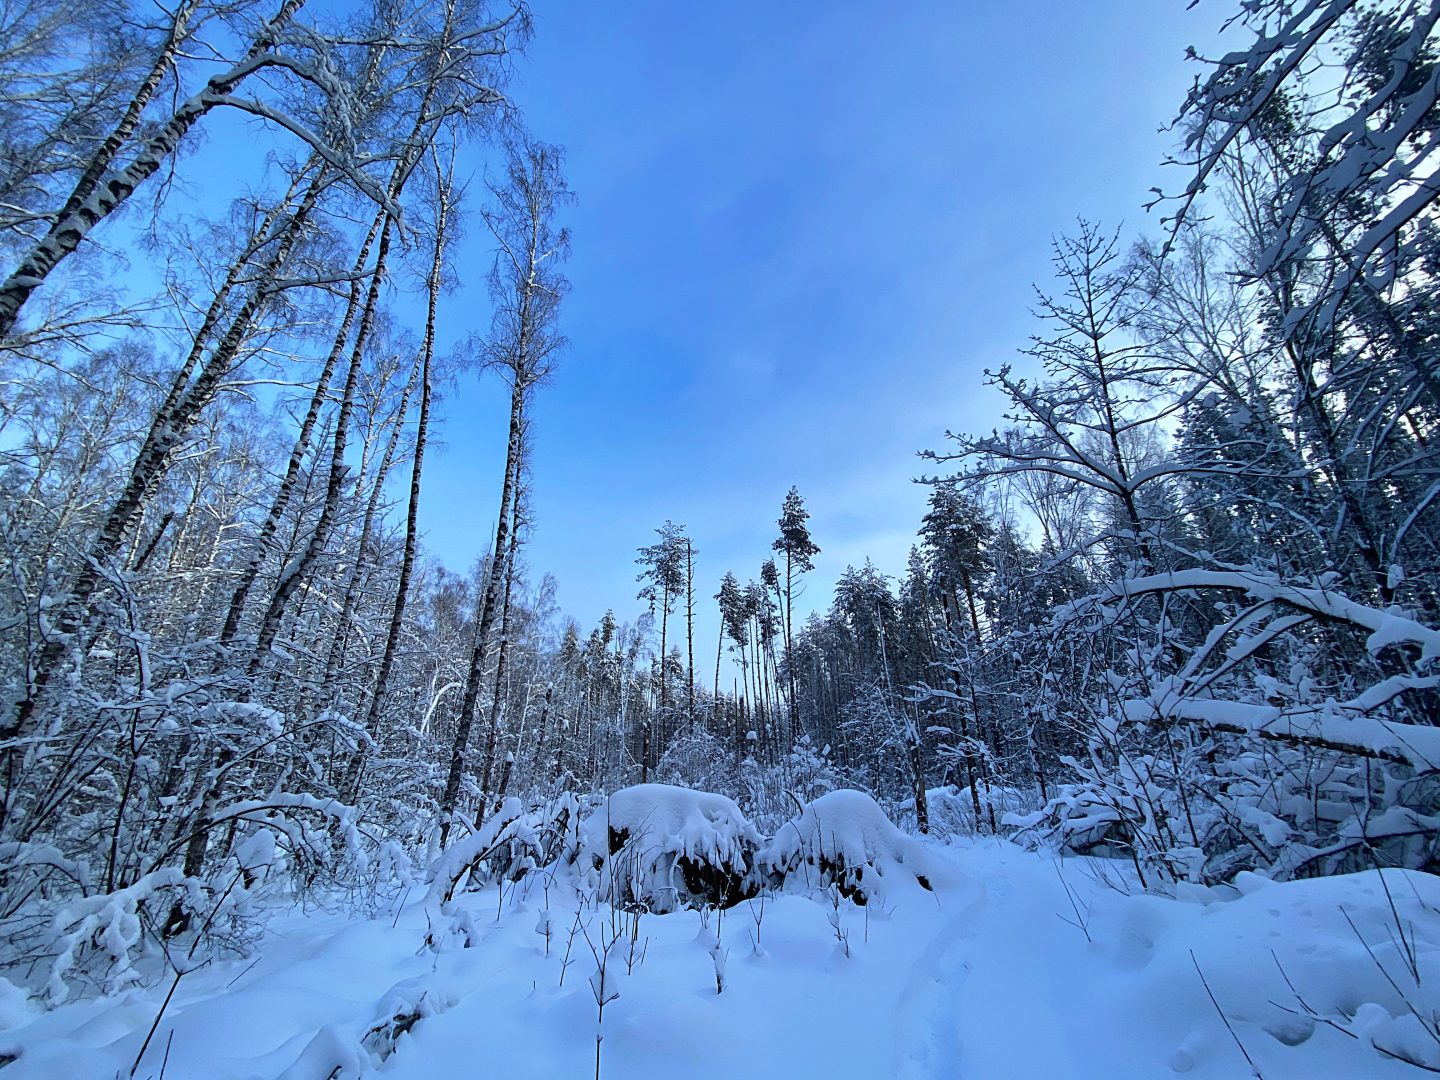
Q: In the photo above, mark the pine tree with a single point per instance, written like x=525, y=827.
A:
x=795, y=544
x=665, y=577
x=957, y=535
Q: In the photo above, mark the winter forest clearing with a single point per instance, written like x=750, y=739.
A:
x=975, y=977
x=1105, y=742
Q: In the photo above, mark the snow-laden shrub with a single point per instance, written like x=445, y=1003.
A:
x=662, y=848
x=763, y=789
x=952, y=808
x=1295, y=813
x=510, y=844
x=844, y=839
x=811, y=772
x=1078, y=820
x=78, y=940
x=488, y=852
x=1282, y=811
x=1268, y=746
x=97, y=938
x=559, y=834
x=698, y=759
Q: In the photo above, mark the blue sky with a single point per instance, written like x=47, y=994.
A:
x=803, y=231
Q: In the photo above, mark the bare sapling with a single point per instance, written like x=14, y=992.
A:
x=836, y=920
x=575, y=929
x=718, y=952
x=602, y=980
x=757, y=916
x=1081, y=921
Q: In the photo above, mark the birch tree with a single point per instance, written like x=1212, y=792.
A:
x=522, y=345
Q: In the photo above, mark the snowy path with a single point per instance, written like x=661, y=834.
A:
x=927, y=1042
x=954, y=1023
x=981, y=980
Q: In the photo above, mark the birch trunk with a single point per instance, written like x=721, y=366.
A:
x=105, y=196
x=488, y=606
x=265, y=540
x=176, y=415
x=497, y=698
x=351, y=783
x=292, y=576
x=367, y=527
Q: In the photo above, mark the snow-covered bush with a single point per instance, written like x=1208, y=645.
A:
x=97, y=939
x=498, y=848
x=843, y=839
x=952, y=808
x=1282, y=811
x=1267, y=746
x=1078, y=820
x=698, y=759
x=510, y=844
x=765, y=789
x=663, y=848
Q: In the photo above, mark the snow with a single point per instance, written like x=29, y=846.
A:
x=646, y=836
x=679, y=820
x=15, y=1006
x=1014, y=964
x=844, y=835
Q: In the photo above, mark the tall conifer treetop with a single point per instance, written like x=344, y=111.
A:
x=795, y=539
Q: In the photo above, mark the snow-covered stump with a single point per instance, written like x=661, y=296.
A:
x=662, y=848
x=843, y=839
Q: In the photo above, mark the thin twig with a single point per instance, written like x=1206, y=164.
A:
x=1254, y=1069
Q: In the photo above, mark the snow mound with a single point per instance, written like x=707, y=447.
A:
x=662, y=848
x=848, y=841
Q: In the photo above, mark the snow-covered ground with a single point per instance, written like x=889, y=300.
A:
x=990, y=975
